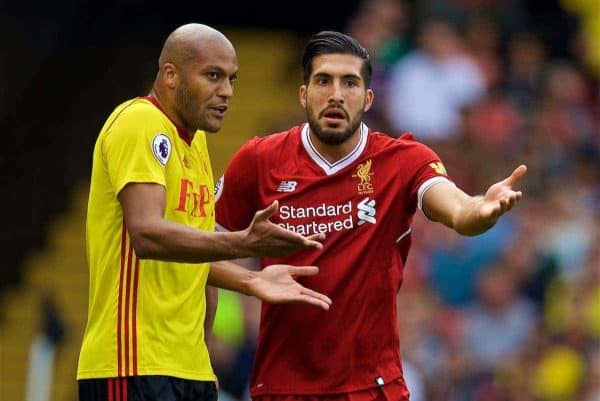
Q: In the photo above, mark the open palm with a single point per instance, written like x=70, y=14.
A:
x=276, y=284
x=501, y=196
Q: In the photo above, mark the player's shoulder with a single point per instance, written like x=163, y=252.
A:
x=139, y=108
x=405, y=142
x=136, y=117
x=137, y=111
x=275, y=142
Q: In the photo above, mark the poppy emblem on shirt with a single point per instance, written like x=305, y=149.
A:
x=161, y=148
x=364, y=174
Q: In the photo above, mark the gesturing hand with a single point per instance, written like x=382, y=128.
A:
x=501, y=196
x=268, y=239
x=275, y=284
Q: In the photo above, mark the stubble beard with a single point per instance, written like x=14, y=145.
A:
x=188, y=109
x=329, y=137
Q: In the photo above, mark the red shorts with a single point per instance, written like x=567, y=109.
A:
x=392, y=391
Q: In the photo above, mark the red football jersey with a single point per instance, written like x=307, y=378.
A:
x=364, y=203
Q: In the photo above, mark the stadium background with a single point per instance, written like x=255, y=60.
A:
x=513, y=315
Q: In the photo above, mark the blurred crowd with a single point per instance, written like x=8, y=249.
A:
x=514, y=314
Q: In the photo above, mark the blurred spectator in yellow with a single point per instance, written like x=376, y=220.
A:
x=559, y=374
x=589, y=13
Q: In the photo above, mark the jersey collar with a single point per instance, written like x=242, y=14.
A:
x=183, y=134
x=332, y=168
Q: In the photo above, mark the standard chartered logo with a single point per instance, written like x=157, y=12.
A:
x=327, y=218
x=366, y=211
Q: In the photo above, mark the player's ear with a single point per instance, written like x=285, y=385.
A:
x=170, y=75
x=369, y=97
x=302, y=94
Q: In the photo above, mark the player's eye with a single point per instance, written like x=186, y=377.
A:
x=212, y=75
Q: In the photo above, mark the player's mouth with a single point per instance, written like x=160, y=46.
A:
x=334, y=115
x=219, y=111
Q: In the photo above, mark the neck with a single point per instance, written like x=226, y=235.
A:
x=333, y=153
x=167, y=105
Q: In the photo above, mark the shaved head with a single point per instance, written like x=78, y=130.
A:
x=188, y=42
x=196, y=71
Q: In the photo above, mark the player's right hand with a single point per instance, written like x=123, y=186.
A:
x=265, y=238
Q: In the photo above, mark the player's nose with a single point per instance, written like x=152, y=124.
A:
x=336, y=96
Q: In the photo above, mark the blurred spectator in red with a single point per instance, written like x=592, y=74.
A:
x=494, y=123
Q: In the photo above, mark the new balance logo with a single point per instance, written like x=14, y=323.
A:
x=287, y=186
x=366, y=211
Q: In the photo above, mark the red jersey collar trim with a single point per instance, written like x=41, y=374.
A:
x=183, y=134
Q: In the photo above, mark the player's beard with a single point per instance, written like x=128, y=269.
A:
x=189, y=111
x=331, y=137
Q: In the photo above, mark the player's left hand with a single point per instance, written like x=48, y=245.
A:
x=501, y=196
x=276, y=284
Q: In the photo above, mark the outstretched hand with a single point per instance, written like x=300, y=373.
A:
x=268, y=239
x=502, y=196
x=276, y=284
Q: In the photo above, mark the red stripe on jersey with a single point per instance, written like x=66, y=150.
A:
x=127, y=294
x=124, y=385
x=134, y=315
x=109, y=390
x=120, y=303
x=118, y=389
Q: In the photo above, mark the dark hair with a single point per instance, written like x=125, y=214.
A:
x=331, y=42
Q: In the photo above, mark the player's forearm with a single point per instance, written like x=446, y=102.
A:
x=230, y=276
x=454, y=208
x=165, y=240
x=467, y=219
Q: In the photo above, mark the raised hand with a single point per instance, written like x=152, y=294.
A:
x=268, y=239
x=276, y=284
x=502, y=196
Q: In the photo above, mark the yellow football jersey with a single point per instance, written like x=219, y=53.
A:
x=145, y=317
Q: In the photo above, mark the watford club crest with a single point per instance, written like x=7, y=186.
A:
x=364, y=174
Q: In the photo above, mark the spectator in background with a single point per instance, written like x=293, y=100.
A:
x=429, y=87
x=498, y=324
x=508, y=13
x=526, y=58
x=382, y=27
x=482, y=37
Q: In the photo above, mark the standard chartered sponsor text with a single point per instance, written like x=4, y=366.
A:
x=335, y=218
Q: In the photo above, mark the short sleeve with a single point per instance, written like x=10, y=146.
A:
x=429, y=170
x=136, y=148
x=237, y=190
